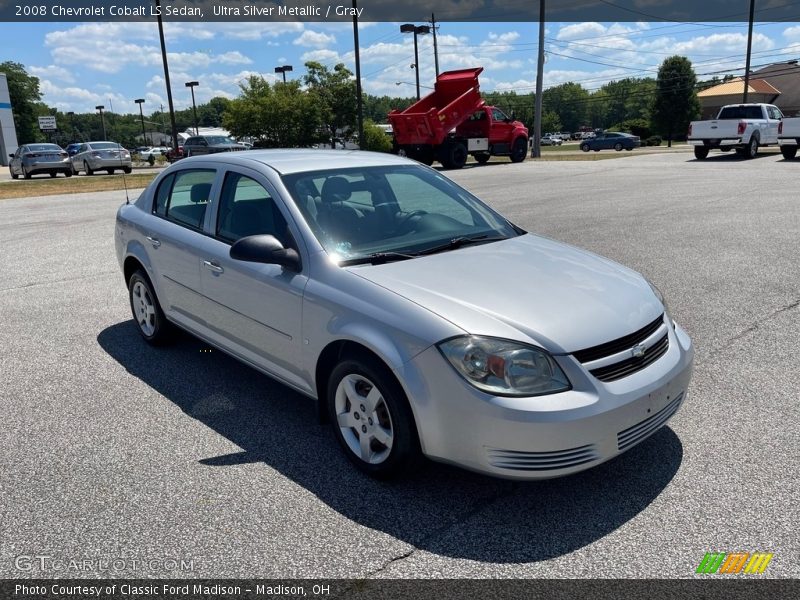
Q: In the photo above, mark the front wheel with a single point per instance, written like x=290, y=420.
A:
x=700, y=152
x=482, y=158
x=68, y=173
x=126, y=170
x=371, y=418
x=13, y=175
x=789, y=152
x=150, y=319
x=585, y=147
x=618, y=147
x=519, y=150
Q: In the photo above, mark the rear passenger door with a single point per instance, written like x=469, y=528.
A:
x=173, y=241
x=253, y=310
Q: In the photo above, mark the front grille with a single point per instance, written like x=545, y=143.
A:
x=618, y=345
x=632, y=365
x=542, y=461
x=633, y=435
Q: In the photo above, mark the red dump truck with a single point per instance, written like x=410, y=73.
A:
x=453, y=122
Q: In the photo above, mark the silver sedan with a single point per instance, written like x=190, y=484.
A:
x=37, y=159
x=101, y=156
x=421, y=321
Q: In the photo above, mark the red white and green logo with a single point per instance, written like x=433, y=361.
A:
x=729, y=563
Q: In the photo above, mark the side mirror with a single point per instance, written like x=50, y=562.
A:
x=266, y=249
x=11, y=156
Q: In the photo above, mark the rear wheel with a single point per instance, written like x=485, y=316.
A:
x=150, y=319
x=789, y=152
x=482, y=158
x=25, y=173
x=110, y=171
x=454, y=156
x=13, y=175
x=700, y=152
x=519, y=150
x=53, y=174
x=68, y=173
x=371, y=417
x=618, y=147
x=126, y=170
x=87, y=168
x=752, y=148
x=585, y=147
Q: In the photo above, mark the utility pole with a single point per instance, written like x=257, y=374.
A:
x=359, y=99
x=749, y=51
x=435, y=45
x=166, y=77
x=536, y=151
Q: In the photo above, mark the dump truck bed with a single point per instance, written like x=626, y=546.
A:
x=455, y=97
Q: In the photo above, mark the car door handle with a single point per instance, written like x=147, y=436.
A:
x=155, y=241
x=212, y=266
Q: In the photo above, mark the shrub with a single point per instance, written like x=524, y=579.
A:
x=375, y=138
x=152, y=160
x=653, y=141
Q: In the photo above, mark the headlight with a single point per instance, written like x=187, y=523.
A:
x=661, y=299
x=503, y=367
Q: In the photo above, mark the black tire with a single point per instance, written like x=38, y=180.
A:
x=13, y=175
x=752, y=148
x=127, y=170
x=482, y=159
x=618, y=147
x=53, y=174
x=68, y=173
x=87, y=168
x=700, y=152
x=392, y=409
x=519, y=151
x=157, y=330
x=25, y=173
x=454, y=156
x=789, y=152
x=585, y=147
x=110, y=171
x=73, y=169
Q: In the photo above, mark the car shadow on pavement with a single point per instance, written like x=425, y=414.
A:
x=439, y=509
x=731, y=156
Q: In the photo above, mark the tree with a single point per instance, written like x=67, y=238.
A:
x=570, y=102
x=550, y=122
x=24, y=92
x=375, y=138
x=280, y=115
x=676, y=102
x=335, y=94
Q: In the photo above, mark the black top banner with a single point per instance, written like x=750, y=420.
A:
x=678, y=11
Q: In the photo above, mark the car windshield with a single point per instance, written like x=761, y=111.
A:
x=104, y=146
x=391, y=212
x=44, y=148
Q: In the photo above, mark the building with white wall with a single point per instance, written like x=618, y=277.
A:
x=8, y=133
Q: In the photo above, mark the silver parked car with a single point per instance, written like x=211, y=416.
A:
x=35, y=159
x=422, y=321
x=101, y=156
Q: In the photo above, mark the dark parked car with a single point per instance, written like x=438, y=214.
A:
x=611, y=140
x=210, y=144
x=35, y=159
x=72, y=149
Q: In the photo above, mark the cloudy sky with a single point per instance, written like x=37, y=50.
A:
x=82, y=65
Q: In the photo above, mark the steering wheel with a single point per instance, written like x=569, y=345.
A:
x=406, y=219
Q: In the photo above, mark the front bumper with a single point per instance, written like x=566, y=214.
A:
x=545, y=436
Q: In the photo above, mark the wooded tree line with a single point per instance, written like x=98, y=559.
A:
x=321, y=106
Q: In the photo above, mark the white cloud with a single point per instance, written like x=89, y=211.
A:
x=53, y=72
x=315, y=39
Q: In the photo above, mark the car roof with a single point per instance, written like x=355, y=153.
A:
x=302, y=160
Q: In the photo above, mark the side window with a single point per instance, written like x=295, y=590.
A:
x=498, y=115
x=245, y=209
x=162, y=195
x=189, y=197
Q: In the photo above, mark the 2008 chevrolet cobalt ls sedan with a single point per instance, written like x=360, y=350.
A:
x=422, y=321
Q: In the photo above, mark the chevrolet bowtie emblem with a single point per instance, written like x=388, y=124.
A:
x=638, y=351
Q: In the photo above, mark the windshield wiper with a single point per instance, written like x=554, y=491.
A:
x=459, y=242
x=376, y=258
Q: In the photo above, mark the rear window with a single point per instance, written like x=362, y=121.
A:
x=104, y=146
x=741, y=112
x=44, y=148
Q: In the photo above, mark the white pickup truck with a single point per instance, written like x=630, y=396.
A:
x=789, y=137
x=744, y=127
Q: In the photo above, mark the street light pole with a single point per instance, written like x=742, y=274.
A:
x=102, y=119
x=749, y=51
x=166, y=76
x=191, y=85
x=536, y=151
x=359, y=99
x=415, y=29
x=140, y=101
x=283, y=70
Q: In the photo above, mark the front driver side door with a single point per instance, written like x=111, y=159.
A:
x=252, y=309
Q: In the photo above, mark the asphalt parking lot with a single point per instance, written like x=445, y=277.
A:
x=115, y=450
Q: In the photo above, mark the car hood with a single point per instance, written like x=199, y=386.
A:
x=526, y=288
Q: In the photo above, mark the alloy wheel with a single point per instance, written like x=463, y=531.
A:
x=363, y=418
x=144, y=308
